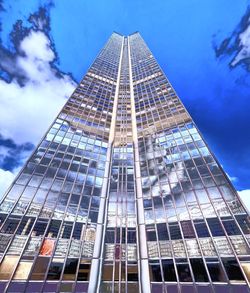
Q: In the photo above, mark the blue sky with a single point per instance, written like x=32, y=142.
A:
x=47, y=46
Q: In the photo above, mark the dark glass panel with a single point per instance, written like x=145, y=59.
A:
x=10, y=225
x=53, y=228
x=83, y=273
x=216, y=272
x=168, y=270
x=187, y=229
x=132, y=273
x=25, y=226
x=155, y=273
x=131, y=236
x=110, y=236
x=201, y=229
x=162, y=231
x=175, y=232
x=233, y=270
x=184, y=273
x=231, y=227
x=66, y=230
x=215, y=227
x=70, y=269
x=40, y=227
x=244, y=222
x=200, y=274
x=77, y=231
x=55, y=270
x=151, y=233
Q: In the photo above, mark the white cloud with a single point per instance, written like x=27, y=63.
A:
x=27, y=111
x=6, y=178
x=245, y=196
x=245, y=47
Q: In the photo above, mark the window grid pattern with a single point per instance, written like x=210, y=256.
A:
x=192, y=212
x=49, y=215
x=120, y=268
x=197, y=230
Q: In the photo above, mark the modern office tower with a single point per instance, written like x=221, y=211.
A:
x=122, y=194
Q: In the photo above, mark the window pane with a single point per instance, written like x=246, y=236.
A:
x=200, y=274
x=231, y=227
x=162, y=232
x=184, y=273
x=175, y=231
x=215, y=227
x=155, y=273
x=168, y=270
x=40, y=268
x=70, y=269
x=233, y=270
x=216, y=272
x=187, y=229
x=201, y=229
x=55, y=270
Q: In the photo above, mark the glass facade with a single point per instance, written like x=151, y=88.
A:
x=123, y=194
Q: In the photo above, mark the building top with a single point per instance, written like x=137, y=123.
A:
x=136, y=32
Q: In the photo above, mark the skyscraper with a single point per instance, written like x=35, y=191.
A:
x=122, y=194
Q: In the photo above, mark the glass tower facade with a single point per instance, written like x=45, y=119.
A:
x=123, y=194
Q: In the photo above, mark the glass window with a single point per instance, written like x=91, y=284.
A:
x=15, y=191
x=162, y=231
x=231, y=227
x=4, y=241
x=131, y=235
x=215, y=227
x=184, y=272
x=77, y=233
x=32, y=246
x=132, y=273
x=207, y=247
x=155, y=272
x=240, y=245
x=40, y=227
x=244, y=223
x=168, y=270
x=70, y=269
x=28, y=192
x=223, y=246
x=40, y=268
x=17, y=245
x=66, y=230
x=187, y=229
x=25, y=226
x=193, y=248
x=175, y=232
x=110, y=236
x=53, y=228
x=10, y=225
x=233, y=270
x=215, y=270
x=201, y=229
x=55, y=269
x=107, y=272
x=151, y=233
x=202, y=196
x=84, y=270
x=200, y=274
